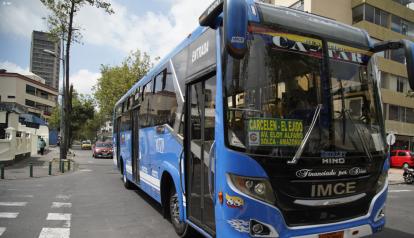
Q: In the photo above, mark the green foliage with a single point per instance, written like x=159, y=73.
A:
x=59, y=21
x=83, y=109
x=117, y=80
x=54, y=120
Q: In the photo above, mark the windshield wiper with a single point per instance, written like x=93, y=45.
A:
x=361, y=138
x=299, y=152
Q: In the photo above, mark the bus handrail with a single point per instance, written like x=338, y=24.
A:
x=211, y=157
x=181, y=172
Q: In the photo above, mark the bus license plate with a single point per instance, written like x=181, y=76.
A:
x=339, y=234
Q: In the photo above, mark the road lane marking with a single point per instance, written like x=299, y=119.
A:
x=54, y=233
x=13, y=204
x=23, y=196
x=2, y=230
x=8, y=214
x=61, y=205
x=85, y=170
x=59, y=216
x=63, y=197
x=399, y=191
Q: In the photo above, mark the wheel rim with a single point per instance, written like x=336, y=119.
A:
x=405, y=165
x=174, y=209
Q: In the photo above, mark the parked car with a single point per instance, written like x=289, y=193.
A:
x=402, y=158
x=102, y=150
x=86, y=145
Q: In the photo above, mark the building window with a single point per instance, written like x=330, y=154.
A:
x=402, y=114
x=358, y=14
x=396, y=23
x=400, y=85
x=369, y=13
x=30, y=89
x=30, y=103
x=402, y=26
x=410, y=115
x=393, y=112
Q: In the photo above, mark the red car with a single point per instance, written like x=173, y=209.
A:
x=402, y=158
x=102, y=150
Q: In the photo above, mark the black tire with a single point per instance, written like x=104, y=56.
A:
x=409, y=179
x=181, y=228
x=127, y=183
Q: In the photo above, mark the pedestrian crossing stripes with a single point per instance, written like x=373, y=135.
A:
x=61, y=205
x=2, y=230
x=13, y=204
x=63, y=197
x=54, y=233
x=8, y=214
x=58, y=216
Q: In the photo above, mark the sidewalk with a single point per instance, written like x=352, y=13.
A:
x=21, y=169
x=395, y=176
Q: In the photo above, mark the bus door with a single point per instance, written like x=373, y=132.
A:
x=118, y=141
x=135, y=144
x=199, y=141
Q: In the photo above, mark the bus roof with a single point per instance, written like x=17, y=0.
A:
x=285, y=17
x=323, y=27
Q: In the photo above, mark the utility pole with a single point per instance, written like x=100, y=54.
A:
x=63, y=140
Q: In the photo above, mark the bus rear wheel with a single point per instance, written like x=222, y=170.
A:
x=127, y=183
x=181, y=228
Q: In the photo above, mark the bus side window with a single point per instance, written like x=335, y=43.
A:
x=126, y=121
x=165, y=102
x=145, y=109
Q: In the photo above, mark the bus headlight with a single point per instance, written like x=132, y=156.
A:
x=258, y=188
x=382, y=180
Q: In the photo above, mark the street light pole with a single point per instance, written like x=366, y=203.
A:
x=62, y=149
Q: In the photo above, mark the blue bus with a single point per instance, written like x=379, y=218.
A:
x=264, y=122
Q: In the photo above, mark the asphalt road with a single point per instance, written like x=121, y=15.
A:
x=92, y=202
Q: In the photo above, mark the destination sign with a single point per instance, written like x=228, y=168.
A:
x=312, y=46
x=275, y=132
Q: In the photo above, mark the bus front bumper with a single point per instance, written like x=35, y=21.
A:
x=238, y=222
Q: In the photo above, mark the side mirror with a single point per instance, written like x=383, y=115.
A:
x=409, y=55
x=408, y=47
x=235, y=27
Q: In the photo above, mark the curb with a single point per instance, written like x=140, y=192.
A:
x=55, y=161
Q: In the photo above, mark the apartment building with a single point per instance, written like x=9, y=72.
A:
x=29, y=92
x=383, y=20
x=41, y=63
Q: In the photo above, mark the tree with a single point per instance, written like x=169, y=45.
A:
x=54, y=120
x=83, y=108
x=117, y=80
x=60, y=23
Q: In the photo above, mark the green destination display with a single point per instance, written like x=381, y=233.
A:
x=275, y=132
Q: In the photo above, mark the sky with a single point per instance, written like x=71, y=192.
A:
x=152, y=26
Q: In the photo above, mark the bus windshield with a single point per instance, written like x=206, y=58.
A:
x=280, y=95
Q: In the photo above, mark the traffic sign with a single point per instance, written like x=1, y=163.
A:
x=390, y=139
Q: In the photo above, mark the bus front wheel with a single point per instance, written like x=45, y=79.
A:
x=181, y=228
